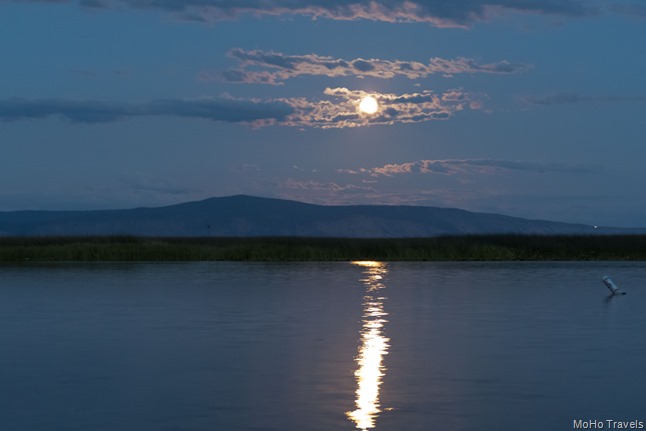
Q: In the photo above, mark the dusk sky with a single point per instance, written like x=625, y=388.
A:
x=529, y=108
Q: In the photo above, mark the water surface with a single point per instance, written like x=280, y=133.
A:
x=320, y=346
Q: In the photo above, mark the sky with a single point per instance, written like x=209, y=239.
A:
x=528, y=108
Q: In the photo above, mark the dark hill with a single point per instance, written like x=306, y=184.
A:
x=253, y=216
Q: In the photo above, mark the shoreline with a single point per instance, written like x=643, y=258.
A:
x=443, y=248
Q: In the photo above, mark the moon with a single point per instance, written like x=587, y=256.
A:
x=368, y=105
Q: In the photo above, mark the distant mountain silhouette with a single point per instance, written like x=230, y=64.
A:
x=254, y=216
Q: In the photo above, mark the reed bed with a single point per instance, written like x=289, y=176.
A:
x=443, y=248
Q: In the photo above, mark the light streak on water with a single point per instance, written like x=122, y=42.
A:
x=374, y=345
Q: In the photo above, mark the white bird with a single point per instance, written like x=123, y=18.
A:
x=612, y=286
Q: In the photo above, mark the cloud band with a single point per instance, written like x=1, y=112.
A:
x=460, y=166
x=227, y=110
x=281, y=67
x=340, y=112
x=441, y=13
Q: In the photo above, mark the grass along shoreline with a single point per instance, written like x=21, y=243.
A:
x=444, y=248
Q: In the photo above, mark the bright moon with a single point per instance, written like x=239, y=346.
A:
x=368, y=105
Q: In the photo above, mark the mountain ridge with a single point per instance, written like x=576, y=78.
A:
x=250, y=216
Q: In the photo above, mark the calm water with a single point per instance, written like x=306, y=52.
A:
x=320, y=346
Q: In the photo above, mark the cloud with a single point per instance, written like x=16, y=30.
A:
x=630, y=9
x=283, y=67
x=245, y=168
x=93, y=73
x=333, y=193
x=292, y=184
x=571, y=97
x=223, y=109
x=295, y=112
x=393, y=108
x=162, y=186
x=441, y=13
x=320, y=192
x=461, y=166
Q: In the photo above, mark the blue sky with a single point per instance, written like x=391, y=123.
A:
x=530, y=108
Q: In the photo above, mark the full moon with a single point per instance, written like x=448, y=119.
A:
x=368, y=105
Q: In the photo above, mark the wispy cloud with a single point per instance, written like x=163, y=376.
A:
x=245, y=168
x=572, y=97
x=163, y=186
x=89, y=111
x=333, y=193
x=283, y=67
x=461, y=166
x=441, y=13
x=94, y=73
x=342, y=111
x=293, y=184
x=318, y=192
x=631, y=9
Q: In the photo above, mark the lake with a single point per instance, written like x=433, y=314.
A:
x=320, y=346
